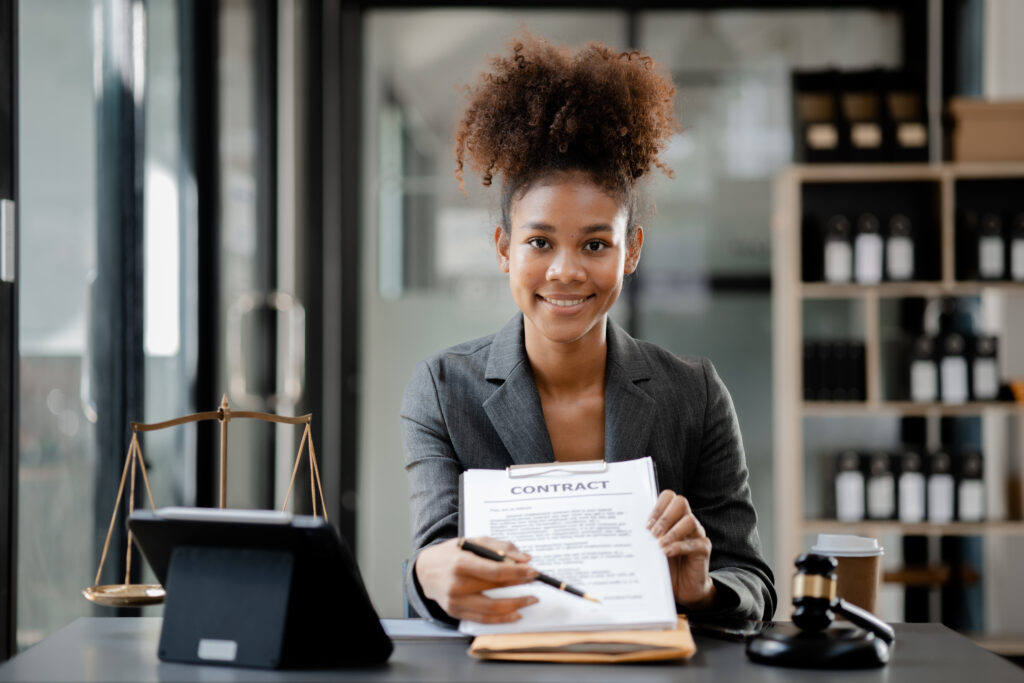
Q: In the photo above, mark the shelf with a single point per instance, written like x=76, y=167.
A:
x=827, y=173
x=831, y=526
x=848, y=408
x=896, y=290
x=934, y=190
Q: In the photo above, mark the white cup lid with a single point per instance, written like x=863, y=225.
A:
x=845, y=545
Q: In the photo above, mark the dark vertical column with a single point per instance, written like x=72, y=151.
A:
x=350, y=85
x=117, y=314
x=199, y=103
x=328, y=35
x=311, y=283
x=8, y=336
x=265, y=337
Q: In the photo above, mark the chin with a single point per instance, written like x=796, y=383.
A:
x=566, y=332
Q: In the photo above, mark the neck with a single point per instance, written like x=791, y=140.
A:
x=561, y=367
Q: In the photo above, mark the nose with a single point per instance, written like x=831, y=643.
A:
x=566, y=266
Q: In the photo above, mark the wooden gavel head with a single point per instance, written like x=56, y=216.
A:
x=814, y=592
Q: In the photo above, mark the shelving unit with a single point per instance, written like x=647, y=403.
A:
x=789, y=294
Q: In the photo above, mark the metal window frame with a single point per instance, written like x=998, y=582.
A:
x=116, y=326
x=8, y=336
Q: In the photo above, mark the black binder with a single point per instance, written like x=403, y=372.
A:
x=258, y=589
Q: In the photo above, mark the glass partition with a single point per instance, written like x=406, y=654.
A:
x=430, y=276
x=705, y=270
x=62, y=524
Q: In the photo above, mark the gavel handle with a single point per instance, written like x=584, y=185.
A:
x=864, y=619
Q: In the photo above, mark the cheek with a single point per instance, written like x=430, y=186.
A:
x=525, y=264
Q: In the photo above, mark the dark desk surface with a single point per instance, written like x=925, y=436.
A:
x=112, y=649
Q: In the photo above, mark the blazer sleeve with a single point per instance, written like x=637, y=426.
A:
x=433, y=470
x=719, y=495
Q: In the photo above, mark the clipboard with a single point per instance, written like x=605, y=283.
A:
x=542, y=468
x=585, y=523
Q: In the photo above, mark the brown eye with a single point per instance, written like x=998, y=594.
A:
x=538, y=242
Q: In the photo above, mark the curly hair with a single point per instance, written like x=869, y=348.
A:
x=545, y=109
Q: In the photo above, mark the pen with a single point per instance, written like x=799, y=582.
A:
x=499, y=556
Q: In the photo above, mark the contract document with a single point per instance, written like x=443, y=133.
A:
x=584, y=524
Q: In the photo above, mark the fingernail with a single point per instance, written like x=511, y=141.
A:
x=532, y=601
x=533, y=574
x=657, y=530
x=650, y=523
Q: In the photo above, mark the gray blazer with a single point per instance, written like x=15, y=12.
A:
x=475, y=405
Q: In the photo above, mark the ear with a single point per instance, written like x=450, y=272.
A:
x=501, y=246
x=633, y=250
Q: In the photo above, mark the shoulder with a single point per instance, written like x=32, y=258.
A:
x=450, y=370
x=466, y=358
x=644, y=360
x=685, y=366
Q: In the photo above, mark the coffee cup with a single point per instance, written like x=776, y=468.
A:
x=858, y=570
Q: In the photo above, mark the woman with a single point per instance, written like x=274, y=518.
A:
x=570, y=136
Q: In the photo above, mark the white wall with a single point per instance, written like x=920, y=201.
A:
x=1004, y=50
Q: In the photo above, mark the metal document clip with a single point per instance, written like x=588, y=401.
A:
x=536, y=469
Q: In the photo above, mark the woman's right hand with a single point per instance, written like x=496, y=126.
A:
x=455, y=579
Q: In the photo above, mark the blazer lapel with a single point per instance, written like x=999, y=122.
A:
x=628, y=410
x=514, y=408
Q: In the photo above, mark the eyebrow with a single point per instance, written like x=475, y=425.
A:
x=590, y=229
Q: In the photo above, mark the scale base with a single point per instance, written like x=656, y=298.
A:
x=834, y=648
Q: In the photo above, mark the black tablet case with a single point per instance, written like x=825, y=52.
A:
x=290, y=595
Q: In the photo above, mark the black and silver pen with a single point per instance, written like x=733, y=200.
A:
x=499, y=556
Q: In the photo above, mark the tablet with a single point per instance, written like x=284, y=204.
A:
x=276, y=579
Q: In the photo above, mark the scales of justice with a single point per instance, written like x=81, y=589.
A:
x=130, y=594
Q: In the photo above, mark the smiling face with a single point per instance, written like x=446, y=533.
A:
x=566, y=254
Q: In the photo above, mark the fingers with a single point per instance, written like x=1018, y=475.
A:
x=664, y=498
x=694, y=547
x=508, y=549
x=474, y=574
x=678, y=531
x=669, y=509
x=489, y=610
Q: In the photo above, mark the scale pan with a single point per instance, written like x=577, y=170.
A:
x=126, y=595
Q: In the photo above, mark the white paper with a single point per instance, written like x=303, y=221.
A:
x=588, y=529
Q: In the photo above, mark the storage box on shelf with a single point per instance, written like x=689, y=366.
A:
x=825, y=219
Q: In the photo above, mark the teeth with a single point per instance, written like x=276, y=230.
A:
x=564, y=302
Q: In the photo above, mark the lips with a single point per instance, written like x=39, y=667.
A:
x=564, y=301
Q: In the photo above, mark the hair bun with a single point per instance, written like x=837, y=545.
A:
x=546, y=108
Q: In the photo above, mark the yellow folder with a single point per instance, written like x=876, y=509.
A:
x=588, y=646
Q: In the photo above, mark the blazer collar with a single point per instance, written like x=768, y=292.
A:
x=515, y=410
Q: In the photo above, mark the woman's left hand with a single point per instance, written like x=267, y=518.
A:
x=687, y=548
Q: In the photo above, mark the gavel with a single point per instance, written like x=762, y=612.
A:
x=816, y=604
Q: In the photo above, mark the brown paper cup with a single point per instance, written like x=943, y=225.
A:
x=858, y=573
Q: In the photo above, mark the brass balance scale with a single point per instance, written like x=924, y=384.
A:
x=129, y=594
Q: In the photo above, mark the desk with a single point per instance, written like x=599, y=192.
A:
x=113, y=649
